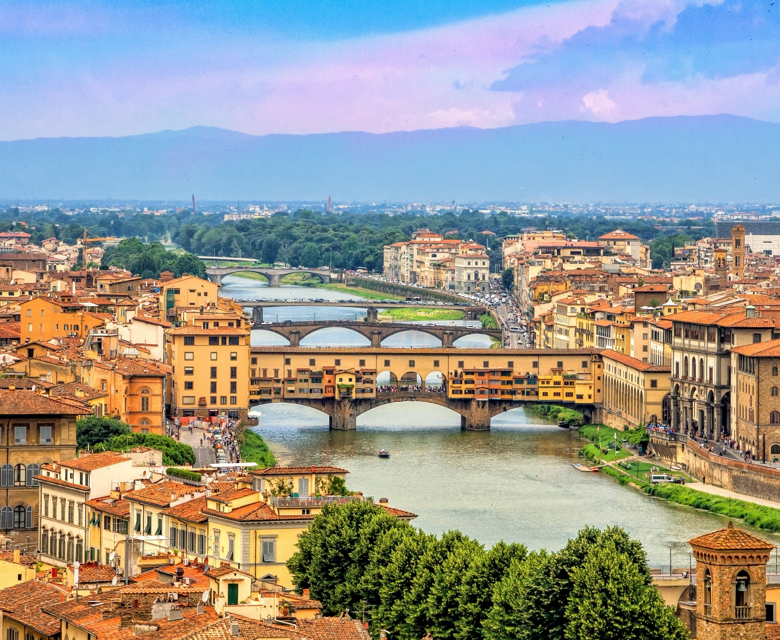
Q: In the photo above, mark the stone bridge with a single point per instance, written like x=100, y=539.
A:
x=274, y=276
x=376, y=332
x=345, y=382
x=475, y=415
x=372, y=308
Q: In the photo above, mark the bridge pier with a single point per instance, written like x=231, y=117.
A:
x=257, y=315
x=344, y=416
x=371, y=314
x=477, y=417
x=295, y=338
x=273, y=279
x=215, y=278
x=446, y=339
x=376, y=338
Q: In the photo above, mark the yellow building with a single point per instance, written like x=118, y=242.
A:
x=44, y=318
x=210, y=363
x=21, y=610
x=16, y=567
x=185, y=292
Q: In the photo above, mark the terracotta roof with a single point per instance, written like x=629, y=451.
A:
x=618, y=234
x=223, y=570
x=149, y=320
x=731, y=539
x=191, y=511
x=769, y=349
x=23, y=383
x=219, y=331
x=90, y=572
x=234, y=494
x=72, y=389
x=398, y=513
x=161, y=493
x=23, y=603
x=94, y=461
x=62, y=483
x=259, y=511
x=634, y=363
x=116, y=507
x=22, y=402
x=286, y=471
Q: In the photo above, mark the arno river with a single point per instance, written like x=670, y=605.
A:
x=514, y=483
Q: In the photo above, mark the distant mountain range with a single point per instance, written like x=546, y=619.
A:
x=679, y=159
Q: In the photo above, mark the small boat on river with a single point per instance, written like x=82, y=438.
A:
x=383, y=453
x=582, y=467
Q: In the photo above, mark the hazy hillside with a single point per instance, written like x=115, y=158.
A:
x=707, y=158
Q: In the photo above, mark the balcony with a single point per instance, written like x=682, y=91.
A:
x=742, y=613
x=312, y=501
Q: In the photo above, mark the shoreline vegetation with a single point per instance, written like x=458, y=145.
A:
x=633, y=473
x=421, y=313
x=254, y=449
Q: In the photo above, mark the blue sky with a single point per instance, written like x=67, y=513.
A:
x=116, y=68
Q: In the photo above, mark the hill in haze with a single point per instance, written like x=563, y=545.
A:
x=678, y=159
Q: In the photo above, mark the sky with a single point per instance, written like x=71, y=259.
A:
x=121, y=67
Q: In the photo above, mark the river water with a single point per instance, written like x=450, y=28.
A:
x=515, y=483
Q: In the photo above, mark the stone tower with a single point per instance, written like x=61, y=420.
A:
x=730, y=585
x=720, y=259
x=738, y=251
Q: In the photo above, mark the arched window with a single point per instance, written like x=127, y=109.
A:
x=775, y=449
x=774, y=391
x=145, y=422
x=774, y=370
x=6, y=476
x=70, y=549
x=61, y=546
x=44, y=541
x=20, y=514
x=145, y=391
x=701, y=369
x=32, y=471
x=20, y=475
x=693, y=369
x=677, y=369
x=6, y=517
x=742, y=595
x=774, y=417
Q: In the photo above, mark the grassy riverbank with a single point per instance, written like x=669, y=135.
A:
x=250, y=275
x=553, y=412
x=368, y=294
x=636, y=473
x=488, y=321
x=421, y=313
x=254, y=449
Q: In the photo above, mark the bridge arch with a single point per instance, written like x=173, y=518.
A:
x=322, y=278
x=387, y=340
x=386, y=382
x=410, y=381
x=485, y=340
x=435, y=382
x=338, y=336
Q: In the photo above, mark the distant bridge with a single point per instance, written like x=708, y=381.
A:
x=376, y=332
x=274, y=276
x=478, y=384
x=371, y=307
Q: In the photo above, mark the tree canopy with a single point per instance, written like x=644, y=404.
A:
x=92, y=430
x=358, y=557
x=174, y=452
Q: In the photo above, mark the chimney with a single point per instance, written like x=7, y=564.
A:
x=382, y=500
x=16, y=556
x=175, y=614
x=234, y=630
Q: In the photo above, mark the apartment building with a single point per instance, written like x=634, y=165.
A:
x=210, y=361
x=37, y=431
x=44, y=318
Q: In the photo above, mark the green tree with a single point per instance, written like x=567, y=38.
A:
x=310, y=256
x=611, y=600
x=508, y=278
x=333, y=553
x=174, y=452
x=270, y=250
x=92, y=430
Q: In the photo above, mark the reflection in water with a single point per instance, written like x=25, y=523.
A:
x=514, y=483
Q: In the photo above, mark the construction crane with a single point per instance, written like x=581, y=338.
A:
x=85, y=241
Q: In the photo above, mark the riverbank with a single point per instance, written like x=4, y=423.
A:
x=250, y=275
x=420, y=313
x=254, y=449
x=636, y=472
x=368, y=294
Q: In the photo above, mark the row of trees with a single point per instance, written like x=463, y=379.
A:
x=358, y=557
x=149, y=260
x=111, y=434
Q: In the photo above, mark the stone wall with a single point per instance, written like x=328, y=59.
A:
x=741, y=477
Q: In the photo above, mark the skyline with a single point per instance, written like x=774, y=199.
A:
x=86, y=68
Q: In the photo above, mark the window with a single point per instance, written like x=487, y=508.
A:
x=234, y=372
x=189, y=355
x=191, y=537
x=233, y=400
x=287, y=361
x=222, y=399
x=174, y=535
x=411, y=363
x=653, y=384
x=213, y=372
x=19, y=517
x=485, y=364
x=145, y=401
x=213, y=387
x=6, y=517
x=774, y=417
x=201, y=544
x=13, y=634
x=231, y=546
x=71, y=511
x=770, y=612
x=213, y=355
x=269, y=549
x=336, y=362
x=233, y=340
x=188, y=399
x=189, y=340
x=44, y=434
x=213, y=341
x=188, y=384
x=233, y=355
x=188, y=371
x=20, y=475
x=774, y=391
x=756, y=337
x=560, y=364
x=775, y=449
x=183, y=539
x=216, y=543
x=20, y=434
x=387, y=363
x=106, y=523
x=233, y=386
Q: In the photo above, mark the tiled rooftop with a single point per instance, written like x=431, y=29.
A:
x=731, y=539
